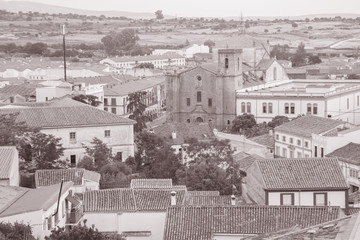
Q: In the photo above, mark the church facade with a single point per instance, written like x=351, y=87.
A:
x=206, y=95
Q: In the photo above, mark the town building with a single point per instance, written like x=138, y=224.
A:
x=270, y=70
x=159, y=61
x=312, y=136
x=297, y=182
x=77, y=124
x=187, y=52
x=291, y=98
x=9, y=166
x=83, y=180
x=44, y=209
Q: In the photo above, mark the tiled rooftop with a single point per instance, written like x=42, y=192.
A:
x=301, y=173
x=307, y=125
x=169, y=55
x=201, y=222
x=208, y=200
x=349, y=153
x=264, y=64
x=265, y=140
x=151, y=183
x=54, y=176
x=7, y=155
x=244, y=160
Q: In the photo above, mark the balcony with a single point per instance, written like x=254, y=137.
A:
x=74, y=217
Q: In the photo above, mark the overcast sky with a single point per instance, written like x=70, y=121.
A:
x=216, y=8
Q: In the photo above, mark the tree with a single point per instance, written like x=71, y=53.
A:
x=243, y=122
x=277, y=121
x=120, y=43
x=15, y=231
x=266, y=30
x=146, y=65
x=294, y=24
x=87, y=162
x=87, y=99
x=115, y=174
x=210, y=44
x=100, y=152
x=281, y=52
x=159, y=15
x=299, y=59
x=314, y=59
x=137, y=107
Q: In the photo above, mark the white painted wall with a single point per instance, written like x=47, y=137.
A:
x=104, y=222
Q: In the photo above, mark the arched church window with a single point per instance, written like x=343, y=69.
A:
x=226, y=63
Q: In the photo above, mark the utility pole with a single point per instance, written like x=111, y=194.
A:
x=64, y=49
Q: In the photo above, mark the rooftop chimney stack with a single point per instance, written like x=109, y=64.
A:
x=173, y=198
x=232, y=200
x=173, y=135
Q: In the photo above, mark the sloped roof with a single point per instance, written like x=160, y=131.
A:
x=203, y=193
x=244, y=160
x=301, y=173
x=54, y=176
x=96, y=80
x=156, y=199
x=7, y=155
x=265, y=140
x=25, y=89
x=200, y=222
x=151, y=183
x=8, y=194
x=264, y=64
x=307, y=125
x=35, y=199
x=67, y=116
x=349, y=153
x=240, y=41
x=208, y=200
x=169, y=55
x=184, y=131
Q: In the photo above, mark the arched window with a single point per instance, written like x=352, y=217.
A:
x=248, y=105
x=286, y=108
x=242, y=107
x=226, y=63
x=264, y=107
x=270, y=108
x=308, y=108
x=238, y=64
x=199, y=120
x=275, y=73
x=315, y=109
x=188, y=120
x=228, y=122
x=292, y=108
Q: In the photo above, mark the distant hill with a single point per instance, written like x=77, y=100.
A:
x=17, y=6
x=310, y=16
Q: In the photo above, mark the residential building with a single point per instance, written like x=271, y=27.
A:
x=311, y=136
x=83, y=180
x=270, y=70
x=238, y=222
x=187, y=52
x=116, y=97
x=77, y=124
x=9, y=166
x=25, y=92
x=42, y=208
x=291, y=98
x=349, y=160
x=159, y=61
x=297, y=182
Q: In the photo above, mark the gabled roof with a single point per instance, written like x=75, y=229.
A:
x=7, y=156
x=307, y=125
x=35, y=199
x=184, y=131
x=349, y=153
x=151, y=183
x=244, y=160
x=25, y=89
x=201, y=222
x=264, y=64
x=203, y=193
x=54, y=176
x=64, y=116
x=208, y=200
x=301, y=173
x=265, y=140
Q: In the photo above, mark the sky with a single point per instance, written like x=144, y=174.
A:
x=216, y=8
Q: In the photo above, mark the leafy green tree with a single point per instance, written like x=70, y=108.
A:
x=15, y=231
x=277, y=121
x=87, y=99
x=299, y=59
x=99, y=152
x=294, y=25
x=137, y=107
x=119, y=43
x=210, y=44
x=281, y=52
x=87, y=162
x=115, y=174
x=243, y=122
x=11, y=130
x=159, y=15
x=313, y=59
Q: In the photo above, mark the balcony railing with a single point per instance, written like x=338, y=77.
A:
x=75, y=215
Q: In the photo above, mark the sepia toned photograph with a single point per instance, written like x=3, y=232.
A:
x=179, y=120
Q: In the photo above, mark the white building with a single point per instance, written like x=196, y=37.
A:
x=159, y=61
x=187, y=52
x=323, y=98
x=9, y=166
x=39, y=207
x=270, y=70
x=311, y=136
x=77, y=124
x=297, y=182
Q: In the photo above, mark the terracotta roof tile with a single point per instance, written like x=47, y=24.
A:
x=151, y=183
x=266, y=140
x=7, y=155
x=200, y=222
x=349, y=153
x=208, y=200
x=302, y=173
x=309, y=124
x=203, y=193
x=156, y=199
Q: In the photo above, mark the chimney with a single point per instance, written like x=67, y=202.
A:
x=173, y=198
x=173, y=135
x=271, y=132
x=232, y=200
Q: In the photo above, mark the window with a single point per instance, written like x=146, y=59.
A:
x=315, y=151
x=277, y=136
x=320, y=199
x=107, y=133
x=73, y=160
x=72, y=136
x=270, y=108
x=315, y=109
x=306, y=144
x=228, y=122
x=198, y=96
x=210, y=102
x=113, y=101
x=277, y=151
x=242, y=107
x=284, y=139
x=286, y=108
x=299, y=142
x=188, y=101
x=105, y=109
x=306, y=155
x=309, y=108
x=188, y=120
x=226, y=63
x=119, y=156
x=113, y=110
x=238, y=62
x=292, y=108
x=248, y=105
x=291, y=140
x=264, y=107
x=284, y=153
x=353, y=173
x=347, y=103
x=286, y=199
x=291, y=154
x=275, y=73
x=299, y=155
x=322, y=152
